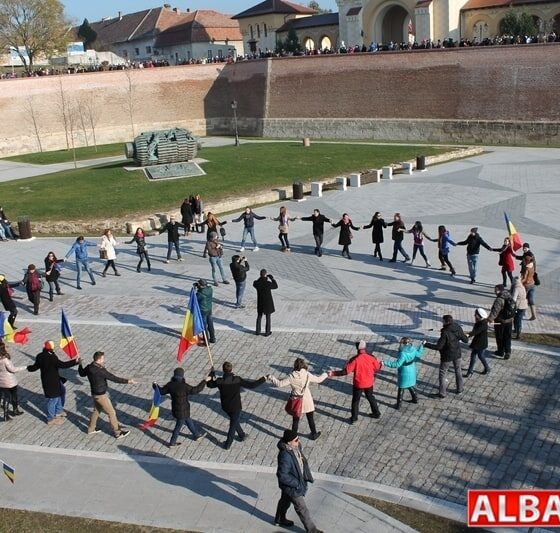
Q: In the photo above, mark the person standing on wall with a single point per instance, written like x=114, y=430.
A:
x=265, y=303
x=248, y=217
x=318, y=229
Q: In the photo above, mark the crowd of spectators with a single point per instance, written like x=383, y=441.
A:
x=343, y=49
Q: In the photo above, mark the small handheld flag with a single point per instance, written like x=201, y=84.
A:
x=516, y=242
x=67, y=342
x=192, y=326
x=8, y=333
x=9, y=472
x=154, y=411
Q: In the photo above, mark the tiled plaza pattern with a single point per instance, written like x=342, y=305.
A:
x=503, y=431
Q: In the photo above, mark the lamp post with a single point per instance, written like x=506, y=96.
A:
x=234, y=107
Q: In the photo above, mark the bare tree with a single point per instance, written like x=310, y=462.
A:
x=73, y=118
x=31, y=112
x=33, y=28
x=130, y=98
x=63, y=108
x=92, y=112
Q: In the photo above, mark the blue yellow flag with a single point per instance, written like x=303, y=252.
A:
x=9, y=472
x=514, y=237
x=192, y=326
x=154, y=411
x=67, y=342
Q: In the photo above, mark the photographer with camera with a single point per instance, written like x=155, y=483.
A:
x=215, y=251
x=204, y=295
x=265, y=304
x=239, y=267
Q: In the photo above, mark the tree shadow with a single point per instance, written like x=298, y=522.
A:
x=198, y=481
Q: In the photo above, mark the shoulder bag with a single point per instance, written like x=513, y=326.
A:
x=294, y=406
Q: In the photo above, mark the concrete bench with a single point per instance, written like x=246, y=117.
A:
x=387, y=173
x=341, y=183
x=376, y=173
x=407, y=168
x=355, y=180
x=316, y=189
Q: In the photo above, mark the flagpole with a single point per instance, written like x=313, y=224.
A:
x=208, y=348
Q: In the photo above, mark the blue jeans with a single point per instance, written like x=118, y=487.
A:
x=518, y=321
x=8, y=231
x=249, y=231
x=472, y=262
x=216, y=262
x=54, y=407
x=482, y=356
x=239, y=291
x=170, y=245
x=83, y=263
x=530, y=294
x=179, y=424
x=398, y=247
x=234, y=426
x=209, y=326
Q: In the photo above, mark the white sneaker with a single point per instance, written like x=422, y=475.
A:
x=428, y=264
x=412, y=262
x=242, y=249
x=256, y=249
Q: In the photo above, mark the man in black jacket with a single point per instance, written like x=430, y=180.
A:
x=450, y=351
x=98, y=375
x=293, y=474
x=229, y=386
x=180, y=390
x=473, y=241
x=53, y=384
x=318, y=229
x=239, y=267
x=172, y=228
x=265, y=304
x=248, y=217
x=501, y=315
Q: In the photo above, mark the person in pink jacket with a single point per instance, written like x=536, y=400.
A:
x=299, y=381
x=8, y=383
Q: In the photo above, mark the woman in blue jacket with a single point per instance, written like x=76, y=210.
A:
x=444, y=240
x=406, y=365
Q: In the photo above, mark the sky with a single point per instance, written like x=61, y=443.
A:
x=94, y=10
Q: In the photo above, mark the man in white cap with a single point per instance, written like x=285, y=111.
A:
x=479, y=342
x=364, y=366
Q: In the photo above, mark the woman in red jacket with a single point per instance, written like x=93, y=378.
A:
x=506, y=260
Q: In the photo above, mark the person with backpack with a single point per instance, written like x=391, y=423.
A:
x=479, y=342
x=406, y=368
x=449, y=347
x=502, y=315
x=32, y=282
x=364, y=366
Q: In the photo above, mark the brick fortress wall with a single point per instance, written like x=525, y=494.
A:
x=488, y=94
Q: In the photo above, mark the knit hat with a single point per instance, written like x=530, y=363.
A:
x=289, y=436
x=362, y=345
x=481, y=313
x=49, y=345
x=526, y=245
x=201, y=283
x=179, y=372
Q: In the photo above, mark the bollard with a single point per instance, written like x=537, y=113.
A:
x=306, y=142
x=376, y=175
x=24, y=228
x=387, y=173
x=341, y=183
x=355, y=180
x=421, y=163
x=316, y=189
x=407, y=168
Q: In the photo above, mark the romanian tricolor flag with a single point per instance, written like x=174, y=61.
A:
x=514, y=237
x=154, y=411
x=8, y=333
x=192, y=327
x=67, y=342
x=9, y=472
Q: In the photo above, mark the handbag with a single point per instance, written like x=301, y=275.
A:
x=536, y=279
x=102, y=254
x=294, y=406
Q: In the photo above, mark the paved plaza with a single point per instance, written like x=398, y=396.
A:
x=503, y=431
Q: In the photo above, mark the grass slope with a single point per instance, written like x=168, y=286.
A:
x=110, y=191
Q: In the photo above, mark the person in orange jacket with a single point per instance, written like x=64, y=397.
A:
x=364, y=367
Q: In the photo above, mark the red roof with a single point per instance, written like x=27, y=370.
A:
x=269, y=7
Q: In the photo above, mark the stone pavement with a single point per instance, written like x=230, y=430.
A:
x=502, y=431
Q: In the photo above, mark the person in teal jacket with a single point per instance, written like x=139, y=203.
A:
x=406, y=365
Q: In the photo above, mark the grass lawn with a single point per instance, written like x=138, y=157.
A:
x=63, y=156
x=419, y=520
x=110, y=191
x=13, y=520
